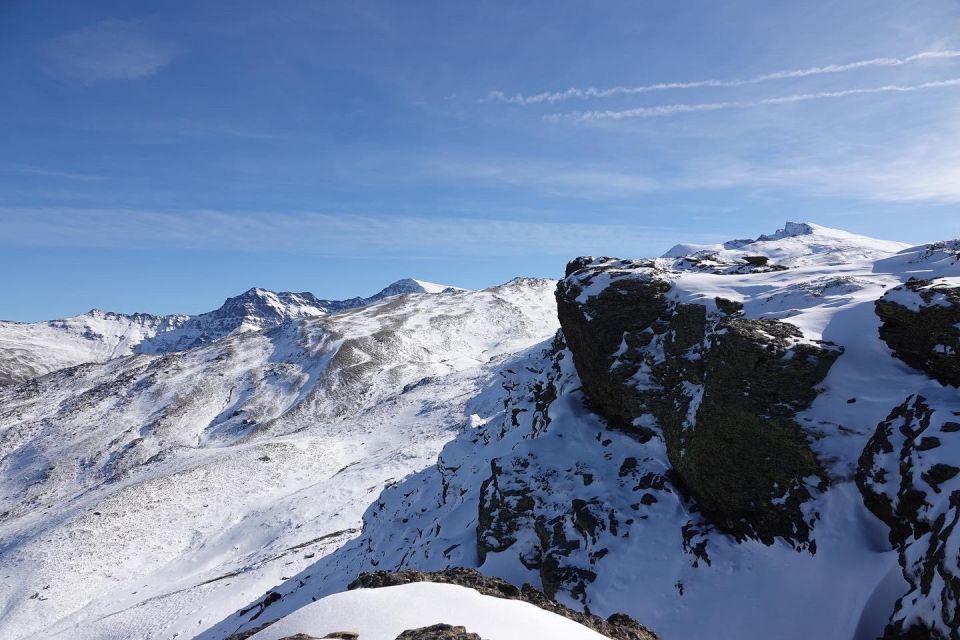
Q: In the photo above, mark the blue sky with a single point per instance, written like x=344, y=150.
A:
x=162, y=156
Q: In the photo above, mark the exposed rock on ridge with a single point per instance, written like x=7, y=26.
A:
x=921, y=324
x=618, y=626
x=919, y=498
x=723, y=388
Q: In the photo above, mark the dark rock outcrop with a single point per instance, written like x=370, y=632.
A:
x=438, y=632
x=921, y=324
x=904, y=486
x=723, y=389
x=336, y=635
x=618, y=626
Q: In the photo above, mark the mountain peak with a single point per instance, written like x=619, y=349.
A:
x=254, y=292
x=792, y=230
x=796, y=244
x=412, y=285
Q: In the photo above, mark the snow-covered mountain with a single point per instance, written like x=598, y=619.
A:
x=758, y=439
x=28, y=350
x=153, y=494
x=753, y=439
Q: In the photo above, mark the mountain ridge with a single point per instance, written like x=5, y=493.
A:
x=31, y=349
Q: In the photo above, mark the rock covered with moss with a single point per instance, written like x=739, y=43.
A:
x=921, y=324
x=724, y=389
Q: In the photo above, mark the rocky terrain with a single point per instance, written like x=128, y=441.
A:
x=768, y=422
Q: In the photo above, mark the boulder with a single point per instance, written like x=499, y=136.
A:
x=722, y=390
x=921, y=325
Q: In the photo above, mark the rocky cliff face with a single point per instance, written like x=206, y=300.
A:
x=921, y=324
x=723, y=388
x=909, y=477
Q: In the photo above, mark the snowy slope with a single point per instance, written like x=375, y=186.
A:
x=28, y=350
x=543, y=490
x=152, y=495
x=385, y=613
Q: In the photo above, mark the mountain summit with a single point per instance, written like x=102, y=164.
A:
x=796, y=244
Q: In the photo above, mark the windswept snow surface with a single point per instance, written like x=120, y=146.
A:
x=383, y=614
x=649, y=551
x=152, y=495
x=28, y=350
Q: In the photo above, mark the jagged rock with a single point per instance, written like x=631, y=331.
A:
x=921, y=324
x=918, y=497
x=507, y=508
x=460, y=576
x=438, y=632
x=728, y=306
x=618, y=626
x=724, y=389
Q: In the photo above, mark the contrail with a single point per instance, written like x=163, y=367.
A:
x=674, y=109
x=592, y=92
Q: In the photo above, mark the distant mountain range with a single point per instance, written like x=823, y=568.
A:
x=31, y=349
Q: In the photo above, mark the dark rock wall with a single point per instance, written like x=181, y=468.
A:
x=907, y=480
x=723, y=388
x=927, y=338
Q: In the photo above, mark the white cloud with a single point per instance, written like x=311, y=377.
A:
x=593, y=92
x=108, y=51
x=681, y=108
x=924, y=170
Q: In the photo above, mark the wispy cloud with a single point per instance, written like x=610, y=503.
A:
x=593, y=92
x=923, y=169
x=549, y=177
x=681, y=108
x=108, y=51
x=26, y=170
x=319, y=233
